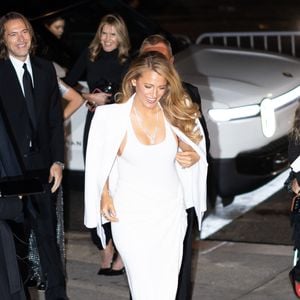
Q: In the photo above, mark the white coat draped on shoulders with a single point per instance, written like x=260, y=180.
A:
x=107, y=131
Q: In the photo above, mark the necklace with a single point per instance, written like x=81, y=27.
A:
x=151, y=137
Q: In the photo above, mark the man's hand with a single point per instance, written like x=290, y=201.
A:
x=56, y=174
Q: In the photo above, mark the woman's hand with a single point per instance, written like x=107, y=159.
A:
x=107, y=208
x=187, y=158
x=295, y=186
x=96, y=99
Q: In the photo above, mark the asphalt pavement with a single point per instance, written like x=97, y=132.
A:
x=247, y=259
x=222, y=267
x=221, y=270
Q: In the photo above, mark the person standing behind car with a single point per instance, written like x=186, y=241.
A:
x=161, y=44
x=103, y=65
x=30, y=97
x=294, y=179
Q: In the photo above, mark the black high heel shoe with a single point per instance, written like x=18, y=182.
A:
x=104, y=271
x=116, y=272
x=110, y=272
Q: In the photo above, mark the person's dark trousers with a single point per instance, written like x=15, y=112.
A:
x=44, y=226
x=40, y=215
x=11, y=287
x=184, y=291
x=21, y=243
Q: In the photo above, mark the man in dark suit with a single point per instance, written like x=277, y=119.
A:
x=30, y=98
x=160, y=44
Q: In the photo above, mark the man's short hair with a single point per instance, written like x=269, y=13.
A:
x=155, y=39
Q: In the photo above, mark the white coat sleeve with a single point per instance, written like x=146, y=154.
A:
x=94, y=178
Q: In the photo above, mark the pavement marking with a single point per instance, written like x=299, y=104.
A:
x=221, y=216
x=213, y=248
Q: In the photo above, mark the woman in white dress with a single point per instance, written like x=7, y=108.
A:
x=138, y=177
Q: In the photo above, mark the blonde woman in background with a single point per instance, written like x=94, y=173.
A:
x=103, y=64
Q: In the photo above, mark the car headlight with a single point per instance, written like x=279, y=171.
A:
x=228, y=114
x=287, y=98
x=265, y=110
x=268, y=120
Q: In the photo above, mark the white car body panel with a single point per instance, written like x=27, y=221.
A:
x=229, y=78
x=246, y=73
x=228, y=139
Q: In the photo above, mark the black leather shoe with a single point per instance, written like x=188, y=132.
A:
x=32, y=282
x=104, y=271
x=42, y=286
x=116, y=272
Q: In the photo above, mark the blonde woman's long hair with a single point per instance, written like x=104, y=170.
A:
x=122, y=35
x=295, y=132
x=178, y=108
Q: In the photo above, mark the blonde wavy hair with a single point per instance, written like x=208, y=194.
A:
x=295, y=131
x=122, y=36
x=178, y=108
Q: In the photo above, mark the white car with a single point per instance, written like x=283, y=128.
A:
x=248, y=100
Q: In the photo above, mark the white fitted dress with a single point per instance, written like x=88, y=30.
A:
x=152, y=219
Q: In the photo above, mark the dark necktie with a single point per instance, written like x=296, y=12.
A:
x=29, y=97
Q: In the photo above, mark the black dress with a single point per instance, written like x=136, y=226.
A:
x=98, y=74
x=105, y=70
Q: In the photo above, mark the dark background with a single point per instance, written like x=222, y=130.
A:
x=268, y=222
x=193, y=17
